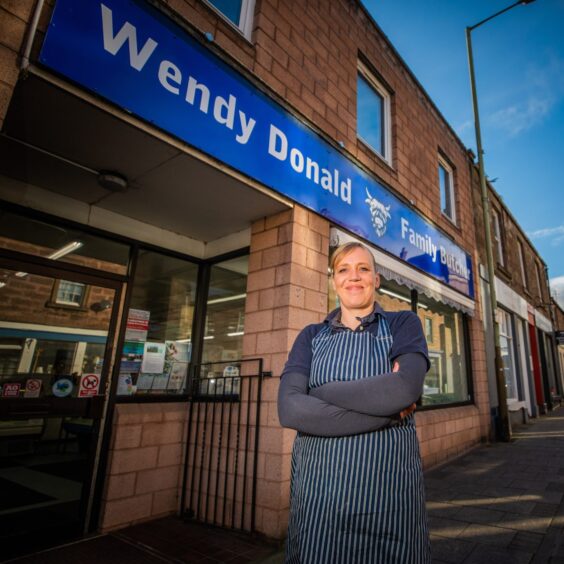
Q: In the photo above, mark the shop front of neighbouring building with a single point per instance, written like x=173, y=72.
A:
x=166, y=223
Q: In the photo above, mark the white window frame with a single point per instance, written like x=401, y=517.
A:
x=522, y=262
x=450, y=187
x=246, y=15
x=497, y=236
x=382, y=91
x=506, y=332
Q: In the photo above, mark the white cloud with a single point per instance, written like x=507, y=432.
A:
x=556, y=234
x=557, y=289
x=544, y=88
x=463, y=127
x=520, y=117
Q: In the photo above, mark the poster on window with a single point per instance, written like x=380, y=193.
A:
x=137, y=325
x=177, y=376
x=153, y=357
x=132, y=356
x=160, y=382
x=145, y=381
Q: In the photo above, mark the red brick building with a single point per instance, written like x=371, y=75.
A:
x=202, y=164
x=525, y=315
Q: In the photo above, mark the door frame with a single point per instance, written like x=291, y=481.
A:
x=14, y=260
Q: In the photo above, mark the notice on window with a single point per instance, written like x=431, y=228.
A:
x=132, y=356
x=125, y=384
x=145, y=381
x=153, y=358
x=177, y=376
x=137, y=325
x=160, y=382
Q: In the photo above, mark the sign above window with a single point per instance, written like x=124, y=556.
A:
x=130, y=53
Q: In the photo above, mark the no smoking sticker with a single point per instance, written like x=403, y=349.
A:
x=32, y=388
x=89, y=385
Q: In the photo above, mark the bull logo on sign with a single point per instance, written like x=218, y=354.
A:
x=379, y=213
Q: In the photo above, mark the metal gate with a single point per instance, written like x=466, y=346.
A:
x=220, y=475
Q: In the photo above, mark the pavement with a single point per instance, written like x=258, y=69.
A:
x=501, y=503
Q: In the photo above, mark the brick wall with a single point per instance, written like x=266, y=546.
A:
x=512, y=234
x=286, y=290
x=145, y=461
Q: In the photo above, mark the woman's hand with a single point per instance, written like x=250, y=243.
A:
x=408, y=410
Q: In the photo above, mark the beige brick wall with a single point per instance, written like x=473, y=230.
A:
x=287, y=290
x=145, y=463
x=14, y=17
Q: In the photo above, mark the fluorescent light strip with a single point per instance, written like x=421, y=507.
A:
x=70, y=248
x=208, y=337
x=236, y=334
x=227, y=299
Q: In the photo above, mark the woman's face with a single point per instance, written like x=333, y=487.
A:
x=355, y=280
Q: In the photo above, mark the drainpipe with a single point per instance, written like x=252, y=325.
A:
x=24, y=65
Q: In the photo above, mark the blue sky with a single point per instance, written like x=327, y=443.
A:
x=519, y=62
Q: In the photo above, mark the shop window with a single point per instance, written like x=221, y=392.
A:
x=446, y=185
x=225, y=312
x=522, y=263
x=446, y=381
x=61, y=243
x=506, y=344
x=158, y=346
x=224, y=329
x=238, y=12
x=10, y=353
x=393, y=297
x=373, y=114
x=497, y=236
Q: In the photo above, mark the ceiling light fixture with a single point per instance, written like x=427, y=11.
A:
x=227, y=299
x=69, y=248
x=112, y=181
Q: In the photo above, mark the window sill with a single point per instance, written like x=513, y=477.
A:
x=502, y=270
x=374, y=153
x=451, y=221
x=80, y=308
x=154, y=398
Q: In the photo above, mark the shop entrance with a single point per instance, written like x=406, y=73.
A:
x=56, y=336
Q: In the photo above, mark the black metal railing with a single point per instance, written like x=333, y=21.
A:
x=220, y=477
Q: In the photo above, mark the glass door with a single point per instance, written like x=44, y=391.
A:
x=55, y=341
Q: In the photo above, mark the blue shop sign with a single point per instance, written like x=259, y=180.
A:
x=131, y=54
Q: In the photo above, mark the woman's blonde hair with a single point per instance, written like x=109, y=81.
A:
x=343, y=250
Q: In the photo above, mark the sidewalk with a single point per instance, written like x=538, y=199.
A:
x=499, y=504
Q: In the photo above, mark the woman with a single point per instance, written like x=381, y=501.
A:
x=357, y=488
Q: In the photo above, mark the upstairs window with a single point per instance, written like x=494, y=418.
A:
x=522, y=263
x=539, y=285
x=238, y=12
x=373, y=114
x=497, y=236
x=446, y=185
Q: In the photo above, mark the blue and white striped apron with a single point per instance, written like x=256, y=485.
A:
x=357, y=499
